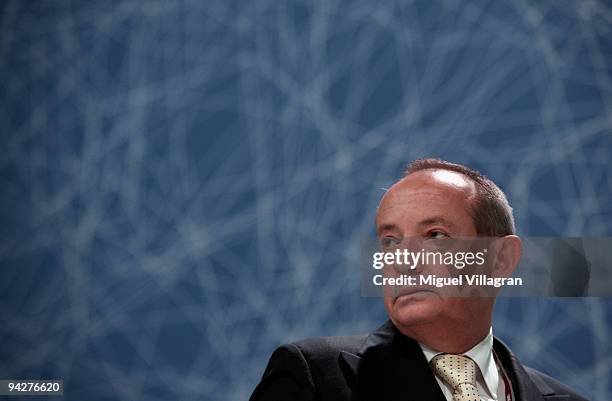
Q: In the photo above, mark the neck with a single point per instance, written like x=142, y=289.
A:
x=451, y=336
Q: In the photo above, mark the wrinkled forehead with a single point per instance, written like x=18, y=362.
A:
x=446, y=184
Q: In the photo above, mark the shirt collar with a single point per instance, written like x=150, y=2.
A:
x=482, y=354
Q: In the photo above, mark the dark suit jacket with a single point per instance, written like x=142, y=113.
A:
x=382, y=366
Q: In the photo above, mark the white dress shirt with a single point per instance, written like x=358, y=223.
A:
x=489, y=381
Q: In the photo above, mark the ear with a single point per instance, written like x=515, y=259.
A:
x=509, y=251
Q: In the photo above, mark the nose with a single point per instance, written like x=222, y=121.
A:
x=411, y=256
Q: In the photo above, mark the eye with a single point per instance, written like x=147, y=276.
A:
x=389, y=242
x=437, y=234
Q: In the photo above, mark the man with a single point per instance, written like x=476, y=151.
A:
x=433, y=347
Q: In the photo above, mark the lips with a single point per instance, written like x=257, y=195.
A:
x=412, y=290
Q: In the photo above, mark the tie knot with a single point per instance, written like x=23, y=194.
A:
x=459, y=372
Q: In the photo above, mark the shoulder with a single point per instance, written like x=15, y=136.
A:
x=326, y=347
x=301, y=369
x=314, y=354
x=547, y=384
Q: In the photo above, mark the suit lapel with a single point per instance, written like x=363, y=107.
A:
x=392, y=367
x=524, y=388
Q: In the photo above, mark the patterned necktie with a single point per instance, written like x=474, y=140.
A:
x=459, y=372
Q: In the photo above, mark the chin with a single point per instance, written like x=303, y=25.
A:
x=414, y=309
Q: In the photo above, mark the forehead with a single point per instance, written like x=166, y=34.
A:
x=437, y=191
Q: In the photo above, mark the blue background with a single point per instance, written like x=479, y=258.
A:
x=185, y=185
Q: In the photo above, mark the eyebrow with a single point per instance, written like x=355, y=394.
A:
x=386, y=227
x=436, y=220
x=424, y=223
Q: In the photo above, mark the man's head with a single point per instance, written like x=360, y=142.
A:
x=436, y=200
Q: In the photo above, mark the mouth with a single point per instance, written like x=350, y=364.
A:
x=413, y=293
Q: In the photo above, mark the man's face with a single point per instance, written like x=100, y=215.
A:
x=427, y=205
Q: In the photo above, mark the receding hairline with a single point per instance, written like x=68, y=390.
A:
x=443, y=176
x=497, y=218
x=470, y=189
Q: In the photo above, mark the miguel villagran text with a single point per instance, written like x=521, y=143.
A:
x=457, y=281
